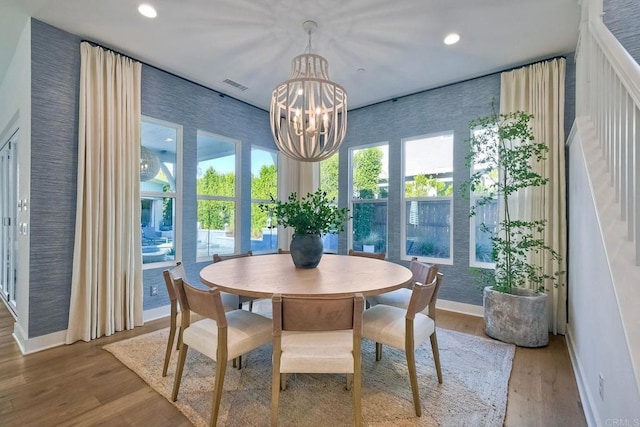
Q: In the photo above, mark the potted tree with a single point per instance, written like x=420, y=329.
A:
x=502, y=153
x=310, y=217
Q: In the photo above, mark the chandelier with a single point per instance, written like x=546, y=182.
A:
x=309, y=111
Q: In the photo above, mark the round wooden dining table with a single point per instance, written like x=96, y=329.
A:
x=337, y=275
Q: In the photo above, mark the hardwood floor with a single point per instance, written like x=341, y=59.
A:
x=82, y=384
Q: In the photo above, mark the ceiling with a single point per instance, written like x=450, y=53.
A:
x=376, y=49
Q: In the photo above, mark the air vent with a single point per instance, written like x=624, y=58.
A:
x=235, y=84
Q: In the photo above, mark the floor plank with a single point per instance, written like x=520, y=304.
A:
x=81, y=384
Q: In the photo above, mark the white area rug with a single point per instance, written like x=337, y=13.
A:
x=474, y=391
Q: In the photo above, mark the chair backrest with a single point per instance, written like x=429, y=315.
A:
x=282, y=251
x=317, y=314
x=380, y=255
x=422, y=272
x=218, y=258
x=170, y=276
x=423, y=296
x=207, y=303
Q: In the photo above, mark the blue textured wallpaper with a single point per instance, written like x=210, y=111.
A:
x=55, y=82
x=622, y=17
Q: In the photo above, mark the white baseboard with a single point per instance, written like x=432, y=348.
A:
x=460, y=307
x=55, y=339
x=156, y=313
x=586, y=397
x=33, y=345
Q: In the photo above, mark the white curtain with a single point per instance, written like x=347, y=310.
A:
x=301, y=177
x=106, y=288
x=539, y=90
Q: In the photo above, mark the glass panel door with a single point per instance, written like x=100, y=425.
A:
x=8, y=221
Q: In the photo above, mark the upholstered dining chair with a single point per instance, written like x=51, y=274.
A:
x=421, y=272
x=407, y=329
x=379, y=255
x=241, y=299
x=229, y=301
x=220, y=335
x=317, y=335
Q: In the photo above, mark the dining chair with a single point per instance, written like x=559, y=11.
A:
x=241, y=299
x=407, y=329
x=379, y=255
x=229, y=301
x=317, y=335
x=420, y=272
x=220, y=335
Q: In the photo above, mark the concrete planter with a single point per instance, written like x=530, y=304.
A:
x=519, y=318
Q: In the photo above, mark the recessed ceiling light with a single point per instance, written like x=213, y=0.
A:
x=147, y=10
x=452, y=38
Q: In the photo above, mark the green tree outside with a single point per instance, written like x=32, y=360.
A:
x=329, y=176
x=423, y=184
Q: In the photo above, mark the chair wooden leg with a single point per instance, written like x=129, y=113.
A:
x=275, y=392
x=436, y=355
x=349, y=381
x=221, y=368
x=251, y=305
x=239, y=362
x=167, y=355
x=411, y=364
x=176, y=382
x=357, y=402
x=378, y=351
x=283, y=382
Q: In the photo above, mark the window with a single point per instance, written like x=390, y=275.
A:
x=217, y=194
x=369, y=182
x=264, y=186
x=329, y=183
x=160, y=144
x=428, y=196
x=483, y=224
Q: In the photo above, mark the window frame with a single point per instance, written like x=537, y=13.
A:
x=404, y=200
x=176, y=195
x=358, y=201
x=236, y=198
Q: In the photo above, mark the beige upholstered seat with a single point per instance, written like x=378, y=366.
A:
x=220, y=336
x=317, y=335
x=407, y=329
x=241, y=299
x=421, y=273
x=380, y=255
x=229, y=301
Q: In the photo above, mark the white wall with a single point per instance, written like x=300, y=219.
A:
x=15, y=114
x=604, y=291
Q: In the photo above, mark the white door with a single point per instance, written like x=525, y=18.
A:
x=8, y=224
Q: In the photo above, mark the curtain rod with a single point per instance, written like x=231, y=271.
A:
x=220, y=94
x=395, y=98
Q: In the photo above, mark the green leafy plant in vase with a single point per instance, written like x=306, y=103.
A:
x=310, y=216
x=503, y=153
